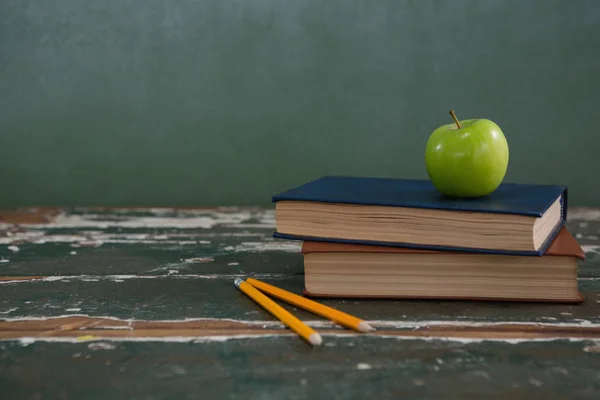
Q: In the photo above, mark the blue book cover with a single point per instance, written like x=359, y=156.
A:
x=510, y=198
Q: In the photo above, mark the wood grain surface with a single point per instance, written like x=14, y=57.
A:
x=140, y=303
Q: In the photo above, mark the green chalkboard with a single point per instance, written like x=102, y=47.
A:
x=186, y=102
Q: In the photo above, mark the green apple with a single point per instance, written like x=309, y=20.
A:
x=468, y=158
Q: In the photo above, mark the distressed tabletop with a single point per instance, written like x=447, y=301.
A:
x=140, y=303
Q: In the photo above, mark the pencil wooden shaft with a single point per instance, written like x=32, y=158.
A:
x=330, y=313
x=280, y=313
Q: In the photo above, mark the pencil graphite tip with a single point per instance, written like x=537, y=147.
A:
x=315, y=339
x=238, y=282
x=364, y=327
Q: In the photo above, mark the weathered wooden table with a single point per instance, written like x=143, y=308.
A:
x=140, y=304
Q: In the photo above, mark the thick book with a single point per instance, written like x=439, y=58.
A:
x=515, y=219
x=363, y=271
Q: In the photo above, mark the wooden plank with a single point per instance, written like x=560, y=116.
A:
x=78, y=327
x=165, y=241
x=227, y=255
x=224, y=256
x=352, y=367
x=214, y=296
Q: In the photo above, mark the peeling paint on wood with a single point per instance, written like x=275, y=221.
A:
x=109, y=292
x=148, y=219
x=103, y=329
x=243, y=369
x=179, y=298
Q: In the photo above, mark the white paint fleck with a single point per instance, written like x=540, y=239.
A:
x=578, y=236
x=303, y=381
x=9, y=310
x=172, y=272
x=560, y=370
x=76, y=355
x=73, y=309
x=592, y=349
x=14, y=249
x=535, y=382
x=363, y=366
x=73, y=253
x=199, y=260
x=234, y=263
x=439, y=360
x=436, y=368
x=26, y=341
x=583, y=321
x=250, y=247
x=584, y=213
x=119, y=280
x=125, y=328
x=583, y=224
x=4, y=260
x=178, y=370
x=590, y=248
x=565, y=313
x=101, y=346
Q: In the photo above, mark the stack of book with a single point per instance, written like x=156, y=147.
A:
x=401, y=238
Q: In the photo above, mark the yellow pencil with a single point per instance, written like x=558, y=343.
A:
x=283, y=315
x=317, y=308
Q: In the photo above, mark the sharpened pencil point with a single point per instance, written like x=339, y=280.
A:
x=238, y=282
x=315, y=339
x=364, y=327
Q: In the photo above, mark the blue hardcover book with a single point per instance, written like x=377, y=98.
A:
x=518, y=219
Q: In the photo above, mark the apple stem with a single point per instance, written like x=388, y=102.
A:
x=455, y=119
